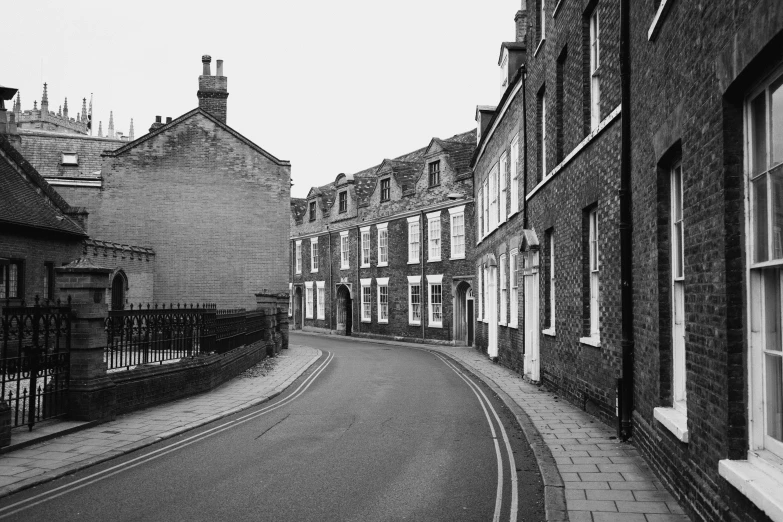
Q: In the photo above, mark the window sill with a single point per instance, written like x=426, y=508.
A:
x=366, y=320
x=414, y=324
x=435, y=260
x=557, y=8
x=321, y=318
x=674, y=421
x=549, y=331
x=512, y=214
x=435, y=325
x=513, y=325
x=364, y=266
x=591, y=341
x=381, y=321
x=657, y=22
x=413, y=262
x=540, y=45
x=382, y=264
x=759, y=479
x=345, y=268
x=454, y=258
x=313, y=271
x=502, y=323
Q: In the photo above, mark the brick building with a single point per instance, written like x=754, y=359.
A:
x=706, y=113
x=211, y=204
x=387, y=252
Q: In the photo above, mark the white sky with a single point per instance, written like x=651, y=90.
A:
x=332, y=86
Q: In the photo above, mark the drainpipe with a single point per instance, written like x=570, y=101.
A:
x=422, y=283
x=524, y=147
x=358, y=275
x=331, y=286
x=626, y=274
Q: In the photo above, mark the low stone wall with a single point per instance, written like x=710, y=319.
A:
x=147, y=386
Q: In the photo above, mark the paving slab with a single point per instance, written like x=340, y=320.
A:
x=54, y=457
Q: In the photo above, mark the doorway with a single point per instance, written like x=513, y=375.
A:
x=462, y=316
x=344, y=310
x=471, y=318
x=530, y=274
x=298, y=309
x=118, y=288
x=492, y=311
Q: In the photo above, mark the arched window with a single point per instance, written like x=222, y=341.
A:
x=118, y=286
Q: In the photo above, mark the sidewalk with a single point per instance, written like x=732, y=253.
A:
x=597, y=477
x=57, y=457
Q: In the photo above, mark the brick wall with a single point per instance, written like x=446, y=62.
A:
x=44, y=152
x=214, y=209
x=136, y=264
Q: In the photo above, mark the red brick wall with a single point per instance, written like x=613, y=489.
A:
x=215, y=211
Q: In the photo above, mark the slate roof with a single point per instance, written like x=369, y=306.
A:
x=299, y=208
x=28, y=200
x=43, y=150
x=186, y=116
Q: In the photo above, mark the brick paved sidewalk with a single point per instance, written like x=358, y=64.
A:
x=42, y=462
x=604, y=479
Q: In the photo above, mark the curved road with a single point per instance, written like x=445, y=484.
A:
x=370, y=432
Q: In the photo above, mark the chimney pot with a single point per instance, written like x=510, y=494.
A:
x=157, y=119
x=168, y=119
x=520, y=20
x=206, y=60
x=219, y=71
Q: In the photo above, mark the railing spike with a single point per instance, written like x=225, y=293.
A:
x=148, y=306
x=37, y=299
x=131, y=306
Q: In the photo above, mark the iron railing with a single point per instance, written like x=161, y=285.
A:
x=155, y=335
x=35, y=360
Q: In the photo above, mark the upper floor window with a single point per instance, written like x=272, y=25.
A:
x=343, y=202
x=434, y=173
x=383, y=244
x=493, y=198
x=298, y=257
x=514, y=175
x=314, y=254
x=312, y=211
x=764, y=153
x=344, y=251
x=11, y=278
x=386, y=189
x=541, y=19
x=365, y=247
x=457, y=215
x=595, y=62
x=433, y=235
x=414, y=238
x=542, y=132
x=503, y=187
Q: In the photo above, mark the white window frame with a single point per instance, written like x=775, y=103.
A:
x=433, y=237
x=457, y=242
x=543, y=20
x=593, y=267
x=543, y=135
x=414, y=247
x=480, y=216
x=69, y=158
x=502, y=320
x=759, y=477
x=345, y=251
x=290, y=300
x=366, y=299
x=486, y=293
x=677, y=249
x=383, y=244
x=480, y=293
x=298, y=257
x=320, y=299
x=552, y=279
x=433, y=282
x=313, y=254
x=513, y=272
x=595, y=63
x=414, y=281
x=308, y=299
x=514, y=175
x=382, y=286
x=503, y=187
x=493, y=202
x=364, y=234
x=486, y=207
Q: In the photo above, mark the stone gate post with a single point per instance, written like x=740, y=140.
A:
x=91, y=393
x=282, y=319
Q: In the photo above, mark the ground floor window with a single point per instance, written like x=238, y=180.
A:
x=366, y=300
x=309, y=300
x=383, y=299
x=11, y=280
x=321, y=299
x=414, y=301
x=435, y=300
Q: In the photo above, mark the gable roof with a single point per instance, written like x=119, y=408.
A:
x=185, y=117
x=26, y=199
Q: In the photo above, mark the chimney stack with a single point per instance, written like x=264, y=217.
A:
x=213, y=90
x=157, y=124
x=168, y=120
x=521, y=22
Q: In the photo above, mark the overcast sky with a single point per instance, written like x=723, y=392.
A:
x=332, y=86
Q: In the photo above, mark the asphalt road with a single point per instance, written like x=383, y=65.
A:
x=370, y=432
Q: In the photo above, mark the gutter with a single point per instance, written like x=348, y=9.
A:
x=331, y=286
x=625, y=384
x=524, y=146
x=421, y=283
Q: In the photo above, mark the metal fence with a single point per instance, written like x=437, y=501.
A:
x=34, y=361
x=156, y=334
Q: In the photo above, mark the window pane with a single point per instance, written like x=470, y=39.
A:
x=774, y=381
x=758, y=109
x=772, y=296
x=760, y=219
x=776, y=121
x=677, y=249
x=776, y=179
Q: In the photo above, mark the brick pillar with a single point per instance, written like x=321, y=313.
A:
x=5, y=424
x=91, y=393
x=267, y=303
x=282, y=319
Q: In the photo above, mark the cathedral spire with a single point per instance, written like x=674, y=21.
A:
x=84, y=109
x=130, y=132
x=60, y=111
x=65, y=109
x=18, y=103
x=100, y=129
x=45, y=101
x=111, y=124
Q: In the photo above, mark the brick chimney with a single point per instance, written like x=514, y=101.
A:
x=521, y=21
x=213, y=90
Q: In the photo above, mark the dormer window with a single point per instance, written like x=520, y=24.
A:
x=504, y=72
x=70, y=158
x=312, y=211
x=434, y=173
x=343, y=202
x=385, y=189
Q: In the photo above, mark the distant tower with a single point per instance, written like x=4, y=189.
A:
x=130, y=132
x=45, y=101
x=35, y=105
x=84, y=109
x=65, y=109
x=111, y=124
x=100, y=129
x=213, y=90
x=18, y=105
